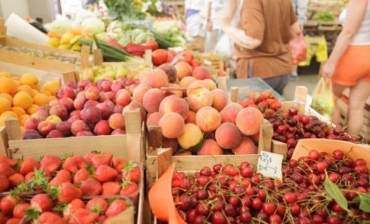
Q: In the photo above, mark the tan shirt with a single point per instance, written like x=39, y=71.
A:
x=270, y=22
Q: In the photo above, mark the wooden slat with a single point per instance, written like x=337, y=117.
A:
x=266, y=132
x=279, y=147
x=13, y=129
x=98, y=57
x=3, y=141
x=234, y=91
x=85, y=54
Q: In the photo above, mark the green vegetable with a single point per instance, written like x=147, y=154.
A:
x=94, y=24
x=324, y=16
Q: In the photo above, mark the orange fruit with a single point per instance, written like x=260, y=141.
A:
x=23, y=119
x=41, y=99
x=6, y=96
x=22, y=99
x=5, y=74
x=18, y=110
x=8, y=113
x=32, y=109
x=29, y=79
x=8, y=85
x=25, y=88
x=5, y=105
x=51, y=86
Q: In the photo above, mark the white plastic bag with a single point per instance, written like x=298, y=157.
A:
x=223, y=47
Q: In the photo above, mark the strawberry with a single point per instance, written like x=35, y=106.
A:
x=43, y=202
x=13, y=221
x=7, y=205
x=50, y=218
x=91, y=187
x=6, y=169
x=128, y=188
x=101, y=159
x=268, y=94
x=61, y=177
x=4, y=183
x=116, y=207
x=65, y=192
x=15, y=179
x=271, y=101
x=132, y=172
x=262, y=106
x=81, y=175
x=110, y=189
x=51, y=163
x=269, y=112
x=88, y=156
x=101, y=218
x=97, y=205
x=20, y=209
x=83, y=216
x=119, y=164
x=74, y=163
x=10, y=162
x=28, y=165
x=39, y=180
x=72, y=207
x=276, y=106
x=105, y=173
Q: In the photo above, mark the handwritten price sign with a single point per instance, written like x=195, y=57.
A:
x=269, y=164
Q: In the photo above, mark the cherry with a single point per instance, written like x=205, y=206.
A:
x=206, y=171
x=246, y=171
x=230, y=210
x=275, y=219
x=292, y=111
x=321, y=166
x=317, y=219
x=202, y=194
x=191, y=215
x=269, y=208
x=185, y=202
x=313, y=154
x=234, y=201
x=256, y=203
x=245, y=217
x=203, y=208
x=218, y=218
x=333, y=219
x=295, y=209
x=290, y=197
x=216, y=168
x=203, y=180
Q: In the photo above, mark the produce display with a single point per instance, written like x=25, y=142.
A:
x=92, y=188
x=318, y=188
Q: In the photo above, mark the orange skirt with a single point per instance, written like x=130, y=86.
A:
x=354, y=65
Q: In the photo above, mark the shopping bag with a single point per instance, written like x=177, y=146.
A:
x=223, y=47
x=298, y=48
x=323, y=98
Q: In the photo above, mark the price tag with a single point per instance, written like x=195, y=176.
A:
x=207, y=62
x=269, y=164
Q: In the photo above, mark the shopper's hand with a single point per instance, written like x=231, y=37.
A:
x=328, y=69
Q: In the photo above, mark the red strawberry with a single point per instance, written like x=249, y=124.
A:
x=6, y=169
x=269, y=112
x=119, y=164
x=97, y=205
x=39, y=180
x=7, y=205
x=101, y=159
x=271, y=101
x=43, y=202
x=83, y=216
x=110, y=189
x=105, y=173
x=276, y=105
x=4, y=183
x=268, y=94
x=132, y=172
x=13, y=221
x=61, y=177
x=262, y=106
x=101, y=218
x=20, y=209
x=74, y=163
x=116, y=207
x=2, y=218
x=128, y=188
x=10, y=162
x=81, y=175
x=15, y=179
x=88, y=156
x=65, y=192
x=28, y=165
x=51, y=218
x=72, y=207
x=91, y=187
x=51, y=163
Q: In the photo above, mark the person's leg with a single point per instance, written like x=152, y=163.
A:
x=357, y=99
x=294, y=74
x=337, y=90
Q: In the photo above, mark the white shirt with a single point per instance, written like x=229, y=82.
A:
x=219, y=9
x=194, y=4
x=362, y=36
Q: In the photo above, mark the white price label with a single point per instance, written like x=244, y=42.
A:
x=207, y=62
x=269, y=164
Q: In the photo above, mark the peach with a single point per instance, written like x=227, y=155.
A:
x=185, y=83
x=74, y=118
x=40, y=115
x=106, y=109
x=102, y=128
x=28, y=132
x=152, y=99
x=117, y=121
x=83, y=83
x=118, y=132
x=54, y=119
x=246, y=146
x=153, y=119
x=59, y=111
x=79, y=102
x=172, y=125
x=131, y=88
x=201, y=73
x=92, y=93
x=111, y=95
x=67, y=103
x=191, y=136
x=45, y=127
x=65, y=128
x=170, y=143
x=210, y=84
x=31, y=123
x=191, y=117
x=183, y=69
x=220, y=99
x=157, y=78
x=176, y=90
x=196, y=84
x=210, y=147
x=53, y=102
x=55, y=134
x=171, y=72
x=139, y=92
x=79, y=125
x=198, y=98
x=123, y=98
x=143, y=74
x=176, y=104
x=66, y=91
x=183, y=153
x=228, y=135
x=230, y=111
x=208, y=119
x=91, y=115
x=117, y=85
x=90, y=103
x=249, y=120
x=84, y=133
x=134, y=105
x=104, y=85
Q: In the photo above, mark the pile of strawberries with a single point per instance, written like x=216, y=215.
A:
x=265, y=101
x=76, y=189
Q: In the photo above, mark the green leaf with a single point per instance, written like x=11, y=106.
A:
x=194, y=148
x=334, y=191
x=355, y=200
x=365, y=202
